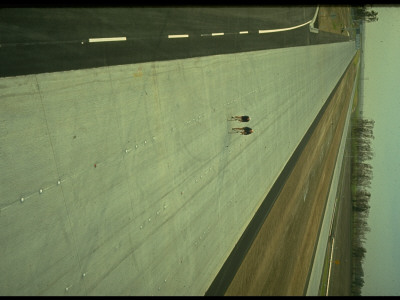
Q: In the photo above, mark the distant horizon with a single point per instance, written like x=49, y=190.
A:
x=382, y=263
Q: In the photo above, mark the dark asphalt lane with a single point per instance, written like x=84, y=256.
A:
x=69, y=24
x=38, y=40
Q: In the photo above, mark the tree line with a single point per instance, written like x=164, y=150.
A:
x=362, y=13
x=361, y=176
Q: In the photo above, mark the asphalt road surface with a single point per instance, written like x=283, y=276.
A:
x=38, y=40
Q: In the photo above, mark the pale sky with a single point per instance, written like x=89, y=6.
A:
x=382, y=104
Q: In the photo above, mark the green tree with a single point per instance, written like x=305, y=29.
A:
x=362, y=13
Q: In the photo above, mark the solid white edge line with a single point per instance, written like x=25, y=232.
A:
x=330, y=268
x=176, y=36
x=115, y=39
x=283, y=29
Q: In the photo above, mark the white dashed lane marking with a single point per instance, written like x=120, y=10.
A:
x=177, y=36
x=113, y=39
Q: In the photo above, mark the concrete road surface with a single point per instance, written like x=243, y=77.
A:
x=128, y=180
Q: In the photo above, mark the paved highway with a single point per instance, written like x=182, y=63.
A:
x=127, y=179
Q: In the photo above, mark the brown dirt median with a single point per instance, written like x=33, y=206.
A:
x=280, y=258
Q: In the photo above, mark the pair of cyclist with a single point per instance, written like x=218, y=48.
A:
x=242, y=130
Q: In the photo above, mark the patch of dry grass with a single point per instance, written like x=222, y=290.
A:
x=334, y=18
